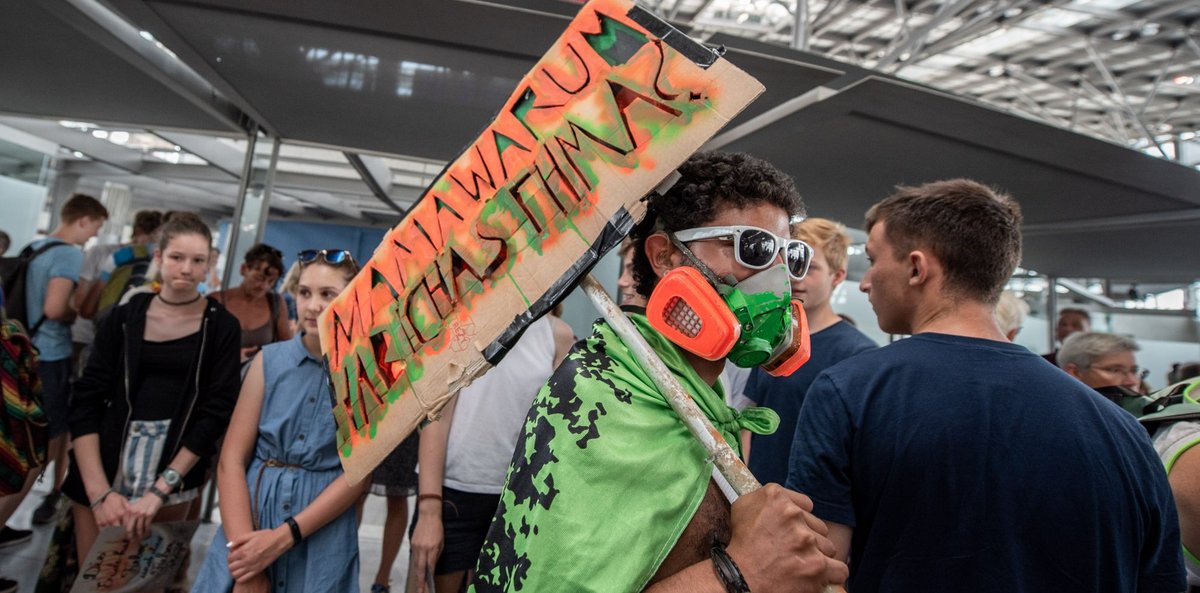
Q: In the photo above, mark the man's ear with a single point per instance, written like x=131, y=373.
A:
x=918, y=267
x=662, y=254
x=1073, y=370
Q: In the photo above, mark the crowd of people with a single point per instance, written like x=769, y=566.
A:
x=949, y=460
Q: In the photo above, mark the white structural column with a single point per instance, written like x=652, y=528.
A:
x=254, y=199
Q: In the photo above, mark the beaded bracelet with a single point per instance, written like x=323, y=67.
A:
x=727, y=571
x=99, y=501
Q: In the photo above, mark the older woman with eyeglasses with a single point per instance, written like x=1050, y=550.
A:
x=1101, y=360
x=287, y=508
x=260, y=310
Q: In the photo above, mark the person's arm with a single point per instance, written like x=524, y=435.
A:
x=89, y=399
x=108, y=507
x=841, y=535
x=142, y=512
x=102, y=371
x=564, y=339
x=777, y=545
x=57, y=305
x=1185, y=485
x=234, y=490
x=251, y=553
x=88, y=298
x=428, y=536
x=283, y=326
x=219, y=387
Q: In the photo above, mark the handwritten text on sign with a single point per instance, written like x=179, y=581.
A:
x=599, y=121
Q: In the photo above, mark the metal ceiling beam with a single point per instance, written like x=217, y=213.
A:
x=95, y=21
x=217, y=153
x=101, y=150
x=26, y=140
x=1116, y=87
x=944, y=14
x=1111, y=222
x=376, y=175
x=783, y=110
x=971, y=31
x=800, y=26
x=1160, y=14
x=1162, y=74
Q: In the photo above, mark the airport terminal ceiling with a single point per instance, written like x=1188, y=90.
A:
x=1086, y=110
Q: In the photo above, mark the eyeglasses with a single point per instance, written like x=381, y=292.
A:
x=333, y=257
x=755, y=248
x=1140, y=373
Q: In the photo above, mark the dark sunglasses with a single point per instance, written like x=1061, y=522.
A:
x=332, y=257
x=755, y=248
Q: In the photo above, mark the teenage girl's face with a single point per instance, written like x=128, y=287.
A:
x=183, y=263
x=319, y=285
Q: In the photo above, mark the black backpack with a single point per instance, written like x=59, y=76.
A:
x=13, y=272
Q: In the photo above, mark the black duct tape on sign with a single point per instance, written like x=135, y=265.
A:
x=614, y=232
x=690, y=48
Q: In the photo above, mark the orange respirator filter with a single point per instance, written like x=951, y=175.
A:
x=797, y=351
x=687, y=310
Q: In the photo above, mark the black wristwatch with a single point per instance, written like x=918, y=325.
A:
x=172, y=478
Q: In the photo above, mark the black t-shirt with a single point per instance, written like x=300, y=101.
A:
x=164, y=368
x=974, y=465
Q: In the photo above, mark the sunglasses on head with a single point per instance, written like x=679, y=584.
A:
x=332, y=257
x=755, y=248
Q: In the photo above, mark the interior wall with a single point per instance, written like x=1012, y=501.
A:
x=22, y=203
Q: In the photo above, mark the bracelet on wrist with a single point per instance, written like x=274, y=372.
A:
x=100, y=500
x=159, y=493
x=727, y=571
x=422, y=497
x=295, y=529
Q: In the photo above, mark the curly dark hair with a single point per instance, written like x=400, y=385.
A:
x=710, y=182
x=263, y=253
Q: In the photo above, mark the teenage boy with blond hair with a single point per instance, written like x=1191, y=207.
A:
x=832, y=341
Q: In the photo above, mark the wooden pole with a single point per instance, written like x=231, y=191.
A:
x=723, y=456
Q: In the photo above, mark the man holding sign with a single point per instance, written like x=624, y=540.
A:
x=608, y=491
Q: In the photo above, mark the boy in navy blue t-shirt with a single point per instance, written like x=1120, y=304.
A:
x=956, y=461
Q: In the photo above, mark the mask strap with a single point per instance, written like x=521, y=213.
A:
x=709, y=275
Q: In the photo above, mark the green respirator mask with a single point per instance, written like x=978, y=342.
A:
x=754, y=322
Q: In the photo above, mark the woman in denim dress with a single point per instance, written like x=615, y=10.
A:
x=288, y=512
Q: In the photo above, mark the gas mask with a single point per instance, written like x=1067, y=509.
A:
x=754, y=322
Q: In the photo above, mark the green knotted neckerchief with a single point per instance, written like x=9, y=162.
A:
x=605, y=476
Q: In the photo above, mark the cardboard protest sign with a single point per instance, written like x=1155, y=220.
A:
x=617, y=103
x=117, y=565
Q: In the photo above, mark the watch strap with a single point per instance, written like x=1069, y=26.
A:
x=159, y=493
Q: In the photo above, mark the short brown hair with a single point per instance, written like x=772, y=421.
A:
x=81, y=205
x=183, y=223
x=827, y=236
x=974, y=231
x=147, y=221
